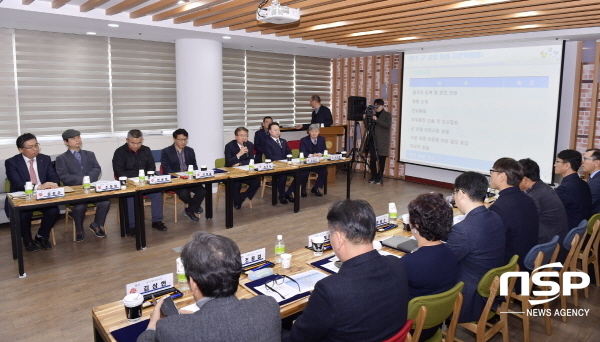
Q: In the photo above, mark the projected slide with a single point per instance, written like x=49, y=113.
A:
x=463, y=110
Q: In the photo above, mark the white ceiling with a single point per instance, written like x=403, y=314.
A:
x=40, y=16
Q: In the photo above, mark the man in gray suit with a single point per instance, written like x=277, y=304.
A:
x=591, y=165
x=551, y=211
x=71, y=167
x=213, y=266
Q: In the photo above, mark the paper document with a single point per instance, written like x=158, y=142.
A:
x=283, y=289
x=192, y=307
x=243, y=167
x=17, y=194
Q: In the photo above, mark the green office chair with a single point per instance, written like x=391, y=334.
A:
x=431, y=311
x=489, y=287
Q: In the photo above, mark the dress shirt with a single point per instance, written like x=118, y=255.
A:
x=37, y=175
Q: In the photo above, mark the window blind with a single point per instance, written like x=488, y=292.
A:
x=313, y=77
x=8, y=104
x=143, y=85
x=62, y=82
x=269, y=88
x=234, y=89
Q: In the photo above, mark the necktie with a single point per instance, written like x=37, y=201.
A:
x=279, y=142
x=32, y=175
x=314, y=142
x=78, y=157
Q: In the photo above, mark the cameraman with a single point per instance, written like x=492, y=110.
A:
x=379, y=143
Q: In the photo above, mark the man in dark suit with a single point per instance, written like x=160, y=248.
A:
x=127, y=161
x=320, y=114
x=551, y=211
x=240, y=152
x=213, y=266
x=367, y=299
x=591, y=165
x=260, y=137
x=478, y=241
x=177, y=158
x=278, y=149
x=517, y=210
x=574, y=193
x=71, y=167
x=313, y=145
x=32, y=166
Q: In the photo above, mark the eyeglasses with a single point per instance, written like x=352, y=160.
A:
x=182, y=140
x=592, y=159
x=279, y=280
x=560, y=161
x=492, y=171
x=36, y=146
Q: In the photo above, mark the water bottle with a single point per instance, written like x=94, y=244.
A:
x=28, y=191
x=142, y=177
x=279, y=249
x=182, y=283
x=325, y=154
x=190, y=172
x=86, y=184
x=393, y=213
x=251, y=165
x=301, y=156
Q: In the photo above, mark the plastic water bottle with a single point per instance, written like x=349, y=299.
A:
x=190, y=172
x=393, y=213
x=279, y=249
x=86, y=184
x=301, y=156
x=142, y=177
x=182, y=283
x=28, y=191
x=325, y=154
x=251, y=165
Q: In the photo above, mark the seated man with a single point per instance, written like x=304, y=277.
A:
x=32, y=166
x=127, y=161
x=213, y=266
x=478, y=241
x=574, y=193
x=313, y=145
x=177, y=158
x=551, y=211
x=517, y=210
x=71, y=167
x=278, y=149
x=240, y=152
x=367, y=299
x=260, y=137
x=591, y=165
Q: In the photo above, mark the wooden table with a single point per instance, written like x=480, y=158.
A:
x=110, y=317
x=76, y=197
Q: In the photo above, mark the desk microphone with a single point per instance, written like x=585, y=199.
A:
x=246, y=150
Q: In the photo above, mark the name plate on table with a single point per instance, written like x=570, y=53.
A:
x=108, y=186
x=324, y=234
x=335, y=157
x=382, y=219
x=49, y=193
x=312, y=160
x=253, y=256
x=150, y=285
x=159, y=179
x=264, y=166
x=203, y=174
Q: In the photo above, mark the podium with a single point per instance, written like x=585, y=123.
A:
x=334, y=140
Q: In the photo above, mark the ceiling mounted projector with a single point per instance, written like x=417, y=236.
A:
x=277, y=14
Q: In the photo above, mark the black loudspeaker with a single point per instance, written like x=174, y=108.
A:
x=356, y=107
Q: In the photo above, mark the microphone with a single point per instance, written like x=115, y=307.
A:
x=246, y=151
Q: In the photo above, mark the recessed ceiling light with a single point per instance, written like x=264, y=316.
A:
x=113, y=25
x=526, y=14
x=471, y=3
x=226, y=37
x=181, y=2
x=326, y=26
x=366, y=33
x=91, y=33
x=524, y=27
x=407, y=38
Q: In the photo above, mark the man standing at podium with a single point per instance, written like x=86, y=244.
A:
x=320, y=114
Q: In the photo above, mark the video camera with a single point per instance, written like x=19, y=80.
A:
x=370, y=111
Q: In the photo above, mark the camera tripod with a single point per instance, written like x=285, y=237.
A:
x=359, y=155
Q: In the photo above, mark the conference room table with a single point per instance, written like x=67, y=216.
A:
x=110, y=317
x=75, y=197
